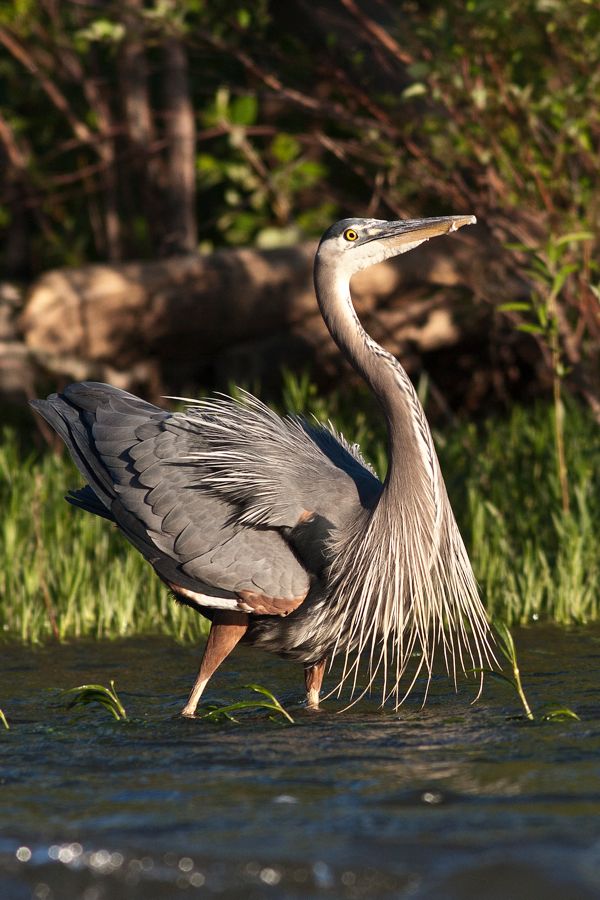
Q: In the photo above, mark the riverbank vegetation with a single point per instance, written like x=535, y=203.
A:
x=147, y=130
x=64, y=573
x=144, y=130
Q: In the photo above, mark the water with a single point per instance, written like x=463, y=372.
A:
x=453, y=801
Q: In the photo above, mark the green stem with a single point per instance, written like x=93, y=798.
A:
x=521, y=692
x=559, y=431
x=559, y=435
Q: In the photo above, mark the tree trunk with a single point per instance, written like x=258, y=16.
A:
x=97, y=96
x=180, y=127
x=145, y=163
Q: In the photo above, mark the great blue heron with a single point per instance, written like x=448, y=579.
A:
x=276, y=529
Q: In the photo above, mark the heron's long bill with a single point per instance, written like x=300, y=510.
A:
x=411, y=231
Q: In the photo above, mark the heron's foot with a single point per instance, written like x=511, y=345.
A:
x=312, y=701
x=313, y=679
x=189, y=712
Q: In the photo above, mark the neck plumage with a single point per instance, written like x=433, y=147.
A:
x=400, y=579
x=412, y=462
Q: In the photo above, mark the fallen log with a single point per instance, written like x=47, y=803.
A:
x=240, y=314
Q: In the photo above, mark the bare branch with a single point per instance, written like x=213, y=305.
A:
x=58, y=99
x=14, y=153
x=380, y=35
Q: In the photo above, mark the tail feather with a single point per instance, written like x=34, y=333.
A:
x=67, y=422
x=86, y=498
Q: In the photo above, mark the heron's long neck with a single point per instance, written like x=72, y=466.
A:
x=410, y=447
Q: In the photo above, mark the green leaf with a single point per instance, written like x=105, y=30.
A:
x=417, y=89
x=562, y=276
x=515, y=307
x=539, y=267
x=285, y=148
x=102, y=30
x=85, y=694
x=505, y=641
x=574, y=236
x=306, y=173
x=542, y=314
x=560, y=714
x=530, y=329
x=244, y=18
x=499, y=676
x=4, y=720
x=261, y=690
x=216, y=713
x=243, y=110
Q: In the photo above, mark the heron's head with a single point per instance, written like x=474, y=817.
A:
x=354, y=244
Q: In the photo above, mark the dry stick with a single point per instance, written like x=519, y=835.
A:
x=541, y=187
x=338, y=151
x=271, y=81
x=105, y=150
x=501, y=84
x=319, y=107
x=354, y=93
x=73, y=143
x=16, y=156
x=82, y=173
x=378, y=32
x=58, y=99
x=19, y=160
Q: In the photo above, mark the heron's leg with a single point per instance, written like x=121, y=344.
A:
x=227, y=629
x=313, y=679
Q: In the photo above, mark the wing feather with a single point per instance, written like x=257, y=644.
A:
x=130, y=454
x=224, y=499
x=276, y=469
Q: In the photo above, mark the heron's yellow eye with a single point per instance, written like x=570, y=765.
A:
x=350, y=234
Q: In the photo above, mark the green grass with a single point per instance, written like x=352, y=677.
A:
x=532, y=560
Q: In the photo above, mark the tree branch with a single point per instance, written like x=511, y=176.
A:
x=56, y=97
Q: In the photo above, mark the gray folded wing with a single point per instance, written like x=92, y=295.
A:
x=227, y=500
x=130, y=454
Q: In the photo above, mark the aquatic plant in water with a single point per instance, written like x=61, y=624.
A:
x=220, y=713
x=97, y=693
x=506, y=645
